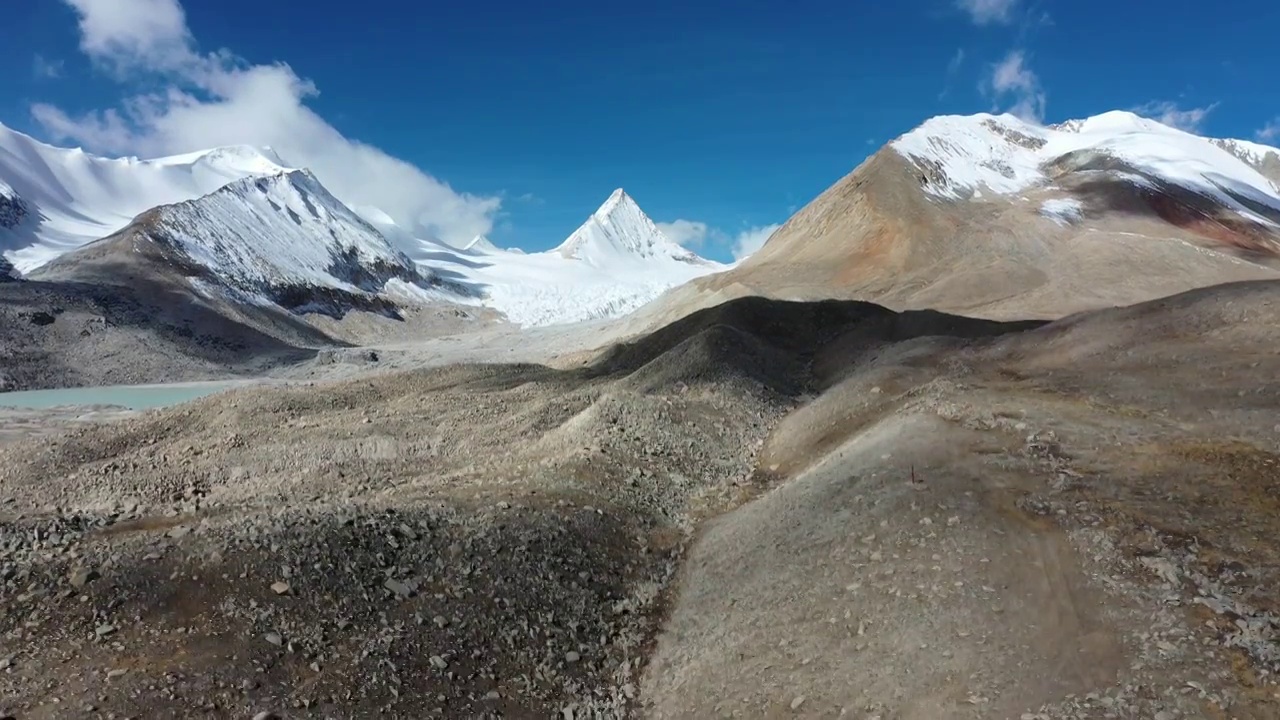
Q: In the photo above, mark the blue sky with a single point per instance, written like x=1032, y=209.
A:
x=517, y=119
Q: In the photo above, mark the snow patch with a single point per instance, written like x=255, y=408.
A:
x=1251, y=152
x=1063, y=211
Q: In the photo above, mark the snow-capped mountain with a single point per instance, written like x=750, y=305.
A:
x=969, y=157
x=280, y=238
x=243, y=217
x=616, y=262
x=988, y=215
x=66, y=198
x=480, y=244
x=619, y=233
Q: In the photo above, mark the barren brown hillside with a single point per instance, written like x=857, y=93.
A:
x=767, y=509
x=876, y=235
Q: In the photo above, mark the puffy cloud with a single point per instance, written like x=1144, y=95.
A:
x=127, y=32
x=1170, y=114
x=689, y=233
x=750, y=240
x=219, y=99
x=1011, y=77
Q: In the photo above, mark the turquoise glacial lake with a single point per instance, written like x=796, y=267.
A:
x=133, y=397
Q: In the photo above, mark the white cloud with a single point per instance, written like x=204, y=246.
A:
x=1012, y=78
x=1170, y=114
x=689, y=233
x=989, y=12
x=128, y=32
x=1270, y=131
x=752, y=239
x=46, y=69
x=220, y=99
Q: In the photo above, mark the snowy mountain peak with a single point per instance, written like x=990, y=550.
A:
x=961, y=157
x=279, y=238
x=619, y=232
x=615, y=200
x=242, y=159
x=480, y=244
x=70, y=197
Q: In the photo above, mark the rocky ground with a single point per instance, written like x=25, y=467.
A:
x=65, y=333
x=762, y=510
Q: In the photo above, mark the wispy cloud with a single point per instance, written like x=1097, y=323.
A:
x=989, y=12
x=218, y=98
x=752, y=239
x=1170, y=114
x=953, y=67
x=689, y=233
x=45, y=69
x=1013, y=81
x=1271, y=131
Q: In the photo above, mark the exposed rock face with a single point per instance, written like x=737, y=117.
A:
x=12, y=209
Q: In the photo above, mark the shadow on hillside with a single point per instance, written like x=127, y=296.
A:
x=180, y=319
x=774, y=342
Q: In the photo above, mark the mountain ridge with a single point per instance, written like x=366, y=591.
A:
x=279, y=238
x=71, y=197
x=62, y=200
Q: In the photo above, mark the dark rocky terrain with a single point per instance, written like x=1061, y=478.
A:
x=764, y=509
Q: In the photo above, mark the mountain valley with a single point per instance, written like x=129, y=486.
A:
x=988, y=429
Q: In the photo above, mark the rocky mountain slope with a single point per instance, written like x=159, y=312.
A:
x=766, y=509
x=277, y=239
x=262, y=271
x=991, y=216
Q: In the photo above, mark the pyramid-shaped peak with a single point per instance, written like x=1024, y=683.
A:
x=620, y=232
x=480, y=244
x=617, y=200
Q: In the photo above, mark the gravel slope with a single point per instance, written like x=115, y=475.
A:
x=716, y=520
